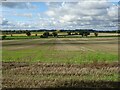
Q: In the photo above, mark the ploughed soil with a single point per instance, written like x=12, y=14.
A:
x=56, y=75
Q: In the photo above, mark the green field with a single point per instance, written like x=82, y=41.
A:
x=61, y=50
x=46, y=61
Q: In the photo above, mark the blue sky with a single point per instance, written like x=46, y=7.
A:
x=99, y=15
x=40, y=7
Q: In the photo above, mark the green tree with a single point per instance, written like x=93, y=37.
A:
x=3, y=37
x=35, y=34
x=46, y=34
x=55, y=34
x=86, y=33
x=69, y=33
x=76, y=33
x=81, y=33
x=96, y=34
x=28, y=33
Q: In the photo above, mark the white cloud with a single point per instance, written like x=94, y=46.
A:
x=88, y=12
x=67, y=18
x=113, y=11
x=50, y=13
x=93, y=4
x=5, y=22
x=24, y=14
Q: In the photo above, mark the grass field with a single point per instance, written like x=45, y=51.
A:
x=55, y=62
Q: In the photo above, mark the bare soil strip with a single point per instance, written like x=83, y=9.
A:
x=24, y=44
x=103, y=46
x=66, y=45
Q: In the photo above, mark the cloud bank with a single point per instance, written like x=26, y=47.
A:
x=85, y=14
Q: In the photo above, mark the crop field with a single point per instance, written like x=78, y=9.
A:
x=60, y=62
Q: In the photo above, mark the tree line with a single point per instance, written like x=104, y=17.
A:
x=46, y=34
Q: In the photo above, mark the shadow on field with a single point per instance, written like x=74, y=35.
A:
x=80, y=85
x=88, y=84
x=51, y=43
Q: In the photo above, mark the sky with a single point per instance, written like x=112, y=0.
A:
x=85, y=14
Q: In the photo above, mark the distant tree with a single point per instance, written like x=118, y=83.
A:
x=35, y=34
x=81, y=33
x=11, y=35
x=76, y=33
x=46, y=34
x=96, y=34
x=55, y=34
x=118, y=31
x=42, y=36
x=50, y=34
x=57, y=31
x=3, y=37
x=28, y=33
x=85, y=33
x=69, y=33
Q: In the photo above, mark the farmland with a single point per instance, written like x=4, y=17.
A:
x=64, y=50
x=60, y=62
x=59, y=44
